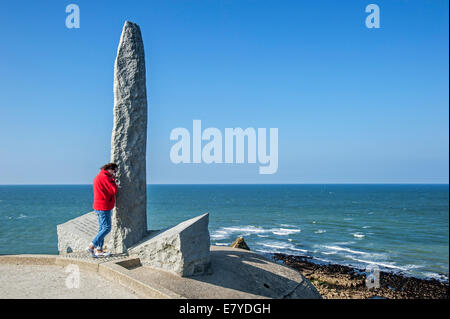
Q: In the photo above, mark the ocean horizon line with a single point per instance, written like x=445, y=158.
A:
x=178, y=184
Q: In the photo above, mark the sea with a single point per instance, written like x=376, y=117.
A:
x=397, y=228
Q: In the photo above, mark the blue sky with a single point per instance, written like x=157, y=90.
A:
x=351, y=104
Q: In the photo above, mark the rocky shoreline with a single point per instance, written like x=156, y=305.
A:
x=343, y=282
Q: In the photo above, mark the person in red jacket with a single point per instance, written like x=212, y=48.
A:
x=105, y=190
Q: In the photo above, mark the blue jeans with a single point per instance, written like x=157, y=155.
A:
x=104, y=227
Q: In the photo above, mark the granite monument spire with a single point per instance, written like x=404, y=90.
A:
x=129, y=140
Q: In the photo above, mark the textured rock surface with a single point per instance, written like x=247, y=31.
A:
x=240, y=243
x=182, y=250
x=129, y=140
x=76, y=234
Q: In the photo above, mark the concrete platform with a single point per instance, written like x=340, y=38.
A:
x=237, y=274
x=49, y=282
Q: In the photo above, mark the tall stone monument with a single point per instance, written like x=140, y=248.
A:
x=129, y=140
x=183, y=249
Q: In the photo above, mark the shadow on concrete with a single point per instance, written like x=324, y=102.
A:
x=251, y=273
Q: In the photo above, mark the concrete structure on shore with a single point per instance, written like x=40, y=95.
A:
x=182, y=249
x=239, y=274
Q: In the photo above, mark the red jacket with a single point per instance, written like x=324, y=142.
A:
x=105, y=189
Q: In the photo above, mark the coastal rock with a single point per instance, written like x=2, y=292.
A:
x=183, y=250
x=129, y=140
x=240, y=243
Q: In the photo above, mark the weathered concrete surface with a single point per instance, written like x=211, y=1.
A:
x=76, y=234
x=239, y=274
x=49, y=282
x=115, y=269
x=129, y=140
x=182, y=250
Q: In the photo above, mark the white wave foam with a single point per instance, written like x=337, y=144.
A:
x=277, y=245
x=226, y=232
x=281, y=246
x=333, y=249
x=21, y=216
x=320, y=231
x=285, y=231
x=286, y=225
x=344, y=243
x=433, y=275
x=216, y=237
x=219, y=234
x=337, y=248
x=358, y=235
x=377, y=263
x=244, y=229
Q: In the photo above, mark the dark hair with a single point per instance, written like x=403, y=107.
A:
x=112, y=166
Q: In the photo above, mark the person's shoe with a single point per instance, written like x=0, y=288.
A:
x=91, y=251
x=102, y=253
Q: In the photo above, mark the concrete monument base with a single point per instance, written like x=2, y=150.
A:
x=238, y=274
x=182, y=249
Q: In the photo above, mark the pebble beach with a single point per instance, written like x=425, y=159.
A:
x=343, y=282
